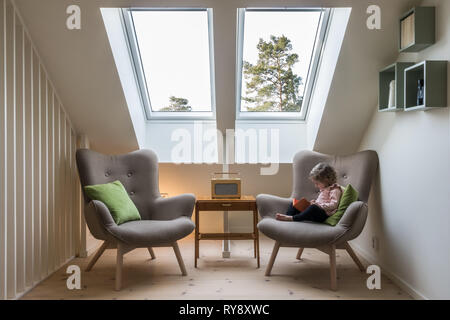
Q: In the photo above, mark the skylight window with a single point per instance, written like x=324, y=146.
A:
x=173, y=58
x=278, y=54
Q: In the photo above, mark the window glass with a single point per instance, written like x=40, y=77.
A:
x=277, y=55
x=174, y=52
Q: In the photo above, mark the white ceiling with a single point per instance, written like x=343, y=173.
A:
x=81, y=65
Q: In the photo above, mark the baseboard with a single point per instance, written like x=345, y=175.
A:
x=405, y=286
x=19, y=296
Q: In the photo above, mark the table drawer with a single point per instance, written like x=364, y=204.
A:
x=225, y=206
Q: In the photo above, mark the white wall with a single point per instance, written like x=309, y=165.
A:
x=195, y=178
x=409, y=203
x=39, y=193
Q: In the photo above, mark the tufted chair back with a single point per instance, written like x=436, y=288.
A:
x=137, y=171
x=357, y=169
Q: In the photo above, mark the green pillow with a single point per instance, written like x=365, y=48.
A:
x=348, y=196
x=116, y=198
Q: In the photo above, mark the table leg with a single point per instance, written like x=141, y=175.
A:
x=197, y=230
x=226, y=243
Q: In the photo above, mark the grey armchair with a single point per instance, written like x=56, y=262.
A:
x=358, y=170
x=164, y=220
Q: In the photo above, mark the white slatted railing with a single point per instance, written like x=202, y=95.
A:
x=39, y=191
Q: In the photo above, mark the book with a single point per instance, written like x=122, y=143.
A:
x=301, y=204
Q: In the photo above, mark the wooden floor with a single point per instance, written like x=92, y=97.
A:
x=217, y=278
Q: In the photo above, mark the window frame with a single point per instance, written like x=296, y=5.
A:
x=135, y=55
x=312, y=69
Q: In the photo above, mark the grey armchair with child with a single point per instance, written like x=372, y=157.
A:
x=337, y=189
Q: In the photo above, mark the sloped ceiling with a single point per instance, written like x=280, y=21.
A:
x=353, y=96
x=81, y=65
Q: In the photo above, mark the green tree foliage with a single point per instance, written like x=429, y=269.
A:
x=271, y=83
x=177, y=104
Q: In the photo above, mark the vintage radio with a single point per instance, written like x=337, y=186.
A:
x=225, y=188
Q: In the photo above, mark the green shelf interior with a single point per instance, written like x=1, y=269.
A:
x=434, y=75
x=411, y=85
x=392, y=72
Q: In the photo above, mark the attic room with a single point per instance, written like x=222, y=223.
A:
x=224, y=150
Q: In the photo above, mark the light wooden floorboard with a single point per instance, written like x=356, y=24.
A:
x=216, y=277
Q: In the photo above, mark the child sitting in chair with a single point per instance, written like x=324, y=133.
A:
x=324, y=178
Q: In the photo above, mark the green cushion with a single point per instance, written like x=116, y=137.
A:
x=116, y=199
x=348, y=196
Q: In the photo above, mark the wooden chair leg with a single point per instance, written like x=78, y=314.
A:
x=176, y=249
x=276, y=247
x=119, y=265
x=152, y=253
x=354, y=257
x=333, y=275
x=96, y=256
x=299, y=253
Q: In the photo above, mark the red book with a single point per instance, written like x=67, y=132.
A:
x=301, y=204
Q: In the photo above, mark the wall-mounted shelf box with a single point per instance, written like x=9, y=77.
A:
x=393, y=72
x=417, y=29
x=434, y=75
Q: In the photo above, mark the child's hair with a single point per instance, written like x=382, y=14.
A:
x=324, y=173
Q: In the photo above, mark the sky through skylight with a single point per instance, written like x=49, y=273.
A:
x=174, y=47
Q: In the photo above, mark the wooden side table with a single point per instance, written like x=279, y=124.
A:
x=245, y=203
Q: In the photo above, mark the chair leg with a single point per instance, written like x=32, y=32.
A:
x=119, y=265
x=176, y=249
x=354, y=257
x=276, y=247
x=152, y=253
x=333, y=275
x=96, y=256
x=299, y=253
